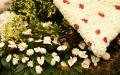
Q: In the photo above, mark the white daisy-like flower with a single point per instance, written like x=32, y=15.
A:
x=40, y=60
x=82, y=54
x=2, y=44
x=75, y=51
x=64, y=64
x=62, y=47
x=82, y=45
x=30, y=52
x=86, y=63
x=106, y=56
x=38, y=69
x=53, y=62
x=30, y=63
x=8, y=58
x=15, y=61
x=25, y=59
x=39, y=40
x=95, y=60
x=46, y=24
x=30, y=39
x=27, y=32
x=43, y=50
x=22, y=46
x=12, y=44
x=47, y=40
x=72, y=61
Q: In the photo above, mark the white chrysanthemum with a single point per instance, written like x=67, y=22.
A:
x=82, y=54
x=22, y=46
x=38, y=69
x=62, y=48
x=12, y=44
x=75, y=51
x=106, y=56
x=95, y=60
x=2, y=44
x=40, y=60
x=72, y=61
x=27, y=32
x=30, y=39
x=8, y=58
x=30, y=52
x=82, y=45
x=30, y=63
x=25, y=59
x=47, y=40
x=15, y=61
x=63, y=64
x=86, y=63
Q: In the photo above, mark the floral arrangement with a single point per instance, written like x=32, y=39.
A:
x=36, y=39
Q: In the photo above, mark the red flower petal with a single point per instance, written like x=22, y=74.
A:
x=117, y=7
x=76, y=26
x=81, y=6
x=105, y=39
x=97, y=31
x=85, y=20
x=101, y=14
x=66, y=1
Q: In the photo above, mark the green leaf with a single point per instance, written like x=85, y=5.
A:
x=20, y=67
x=77, y=66
x=48, y=57
x=5, y=64
x=1, y=52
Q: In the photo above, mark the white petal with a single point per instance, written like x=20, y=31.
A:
x=62, y=48
x=47, y=40
x=75, y=51
x=40, y=60
x=30, y=39
x=38, y=69
x=57, y=58
x=72, y=61
x=22, y=46
x=53, y=62
x=54, y=54
x=95, y=60
x=2, y=44
x=106, y=56
x=30, y=52
x=15, y=61
x=25, y=59
x=30, y=64
x=42, y=50
x=82, y=45
x=39, y=40
x=82, y=54
x=86, y=63
x=63, y=64
x=27, y=32
x=8, y=58
x=37, y=49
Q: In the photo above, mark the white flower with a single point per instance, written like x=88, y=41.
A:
x=39, y=40
x=12, y=44
x=37, y=49
x=82, y=45
x=53, y=62
x=57, y=58
x=63, y=64
x=54, y=54
x=2, y=44
x=27, y=32
x=25, y=59
x=95, y=60
x=72, y=61
x=75, y=51
x=40, y=60
x=30, y=52
x=43, y=50
x=62, y=48
x=30, y=39
x=8, y=58
x=38, y=69
x=47, y=40
x=106, y=56
x=22, y=46
x=15, y=61
x=30, y=64
x=86, y=63
x=82, y=54
x=46, y=24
